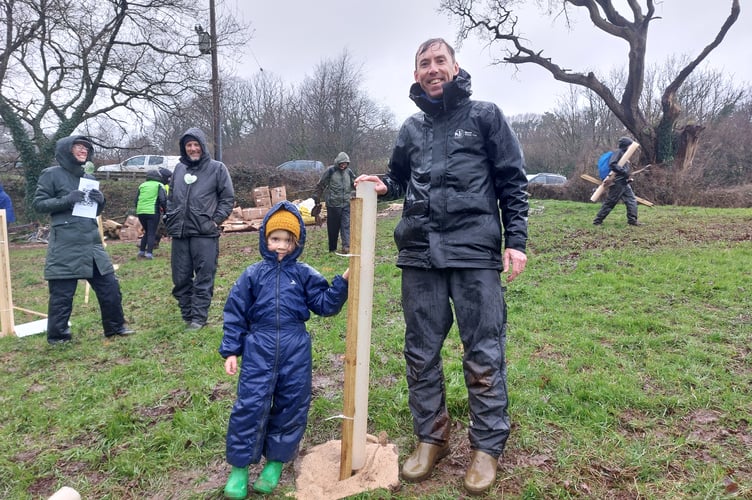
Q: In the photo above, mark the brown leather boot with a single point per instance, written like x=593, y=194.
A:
x=481, y=474
x=419, y=465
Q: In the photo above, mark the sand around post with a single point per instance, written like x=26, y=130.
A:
x=317, y=472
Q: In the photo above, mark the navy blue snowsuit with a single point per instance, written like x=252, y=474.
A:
x=264, y=323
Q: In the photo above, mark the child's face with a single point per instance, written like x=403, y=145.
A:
x=279, y=241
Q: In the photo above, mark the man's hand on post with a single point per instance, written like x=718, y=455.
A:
x=380, y=187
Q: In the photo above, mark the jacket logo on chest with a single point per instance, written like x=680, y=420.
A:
x=459, y=133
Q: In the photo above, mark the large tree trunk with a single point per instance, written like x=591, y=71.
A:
x=687, y=141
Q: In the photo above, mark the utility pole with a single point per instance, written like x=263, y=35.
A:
x=216, y=115
x=207, y=44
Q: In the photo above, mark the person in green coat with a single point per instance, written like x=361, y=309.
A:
x=75, y=249
x=337, y=184
x=151, y=203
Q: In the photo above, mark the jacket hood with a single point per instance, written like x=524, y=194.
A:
x=342, y=158
x=153, y=175
x=198, y=134
x=165, y=175
x=264, y=250
x=624, y=143
x=64, y=155
x=455, y=92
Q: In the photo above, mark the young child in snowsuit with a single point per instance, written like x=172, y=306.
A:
x=264, y=324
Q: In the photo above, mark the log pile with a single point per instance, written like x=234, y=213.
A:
x=130, y=230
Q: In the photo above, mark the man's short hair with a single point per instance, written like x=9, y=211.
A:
x=428, y=43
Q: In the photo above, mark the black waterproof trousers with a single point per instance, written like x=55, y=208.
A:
x=60, y=306
x=150, y=223
x=194, y=265
x=338, y=224
x=616, y=193
x=478, y=299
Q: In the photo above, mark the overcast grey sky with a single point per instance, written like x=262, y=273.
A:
x=291, y=37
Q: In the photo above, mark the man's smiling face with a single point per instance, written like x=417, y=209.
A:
x=435, y=67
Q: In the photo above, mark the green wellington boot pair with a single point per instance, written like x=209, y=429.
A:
x=237, y=483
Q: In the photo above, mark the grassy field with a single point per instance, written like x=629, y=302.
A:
x=630, y=370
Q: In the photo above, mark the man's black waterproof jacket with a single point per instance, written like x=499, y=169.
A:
x=457, y=164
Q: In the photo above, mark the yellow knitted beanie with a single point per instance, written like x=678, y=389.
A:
x=283, y=219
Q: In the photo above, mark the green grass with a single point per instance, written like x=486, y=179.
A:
x=630, y=370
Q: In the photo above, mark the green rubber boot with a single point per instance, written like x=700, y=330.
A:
x=237, y=483
x=269, y=477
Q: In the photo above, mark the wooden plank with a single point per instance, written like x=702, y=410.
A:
x=6, y=295
x=641, y=201
x=351, y=339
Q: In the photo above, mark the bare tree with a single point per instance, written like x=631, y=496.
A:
x=496, y=20
x=63, y=63
x=335, y=114
x=255, y=111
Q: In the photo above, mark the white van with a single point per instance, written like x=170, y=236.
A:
x=142, y=163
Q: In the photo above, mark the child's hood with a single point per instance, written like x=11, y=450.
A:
x=290, y=207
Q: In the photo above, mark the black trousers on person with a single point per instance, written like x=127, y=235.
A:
x=478, y=299
x=60, y=305
x=150, y=223
x=194, y=265
x=338, y=224
x=616, y=193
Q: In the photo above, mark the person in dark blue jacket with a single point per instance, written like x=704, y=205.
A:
x=7, y=204
x=461, y=171
x=264, y=324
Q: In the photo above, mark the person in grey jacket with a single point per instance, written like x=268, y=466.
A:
x=75, y=249
x=200, y=198
x=337, y=183
x=460, y=169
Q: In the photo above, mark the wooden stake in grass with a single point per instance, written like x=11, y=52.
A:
x=8, y=325
x=6, y=296
x=87, y=288
x=358, y=340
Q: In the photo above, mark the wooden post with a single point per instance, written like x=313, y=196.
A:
x=6, y=295
x=87, y=286
x=358, y=342
x=351, y=340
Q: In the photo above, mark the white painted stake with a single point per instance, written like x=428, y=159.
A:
x=366, y=191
